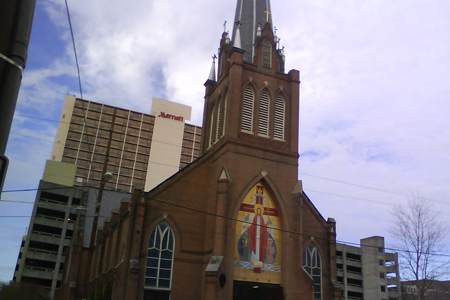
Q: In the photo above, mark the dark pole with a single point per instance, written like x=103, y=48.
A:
x=12, y=72
x=102, y=183
x=14, y=62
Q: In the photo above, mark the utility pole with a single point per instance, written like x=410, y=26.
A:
x=102, y=183
x=16, y=18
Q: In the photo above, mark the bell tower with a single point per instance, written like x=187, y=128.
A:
x=250, y=100
x=250, y=137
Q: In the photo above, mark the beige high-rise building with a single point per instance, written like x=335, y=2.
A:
x=145, y=148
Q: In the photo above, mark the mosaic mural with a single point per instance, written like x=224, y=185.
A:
x=258, y=242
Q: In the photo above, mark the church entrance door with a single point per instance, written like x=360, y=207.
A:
x=256, y=291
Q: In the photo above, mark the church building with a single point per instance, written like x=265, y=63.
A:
x=234, y=224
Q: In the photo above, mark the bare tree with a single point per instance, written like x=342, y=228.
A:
x=420, y=236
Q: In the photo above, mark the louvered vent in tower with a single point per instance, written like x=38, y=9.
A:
x=219, y=119
x=224, y=122
x=247, y=110
x=267, y=54
x=263, y=120
x=278, y=127
x=213, y=127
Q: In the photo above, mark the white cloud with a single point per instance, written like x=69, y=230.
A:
x=374, y=92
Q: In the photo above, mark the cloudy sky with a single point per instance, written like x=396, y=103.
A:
x=375, y=94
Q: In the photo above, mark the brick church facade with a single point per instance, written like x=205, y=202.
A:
x=235, y=223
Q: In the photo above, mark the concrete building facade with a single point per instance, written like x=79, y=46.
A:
x=144, y=149
x=59, y=208
x=368, y=272
x=42, y=255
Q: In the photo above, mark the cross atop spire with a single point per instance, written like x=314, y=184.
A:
x=267, y=15
x=251, y=13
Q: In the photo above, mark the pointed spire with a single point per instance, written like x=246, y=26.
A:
x=237, y=36
x=250, y=13
x=212, y=73
x=225, y=34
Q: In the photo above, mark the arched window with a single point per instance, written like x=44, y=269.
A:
x=263, y=120
x=247, y=110
x=267, y=53
x=158, y=271
x=312, y=264
x=278, y=124
x=213, y=127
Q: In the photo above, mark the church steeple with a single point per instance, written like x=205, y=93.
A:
x=251, y=15
x=253, y=102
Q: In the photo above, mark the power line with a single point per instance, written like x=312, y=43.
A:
x=370, y=188
x=42, y=119
x=74, y=49
x=41, y=189
x=16, y=201
x=83, y=133
x=34, y=138
x=307, y=190
x=359, y=199
x=354, y=198
x=315, y=176
x=247, y=222
x=281, y=230
x=366, y=200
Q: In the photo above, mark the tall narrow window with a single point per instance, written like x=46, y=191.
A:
x=247, y=110
x=224, y=122
x=278, y=124
x=267, y=53
x=263, y=120
x=219, y=119
x=213, y=127
x=158, y=271
x=313, y=266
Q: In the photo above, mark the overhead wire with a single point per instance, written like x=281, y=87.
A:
x=42, y=119
x=40, y=189
x=273, y=228
x=370, y=188
x=161, y=142
x=365, y=200
x=74, y=49
x=85, y=109
x=306, y=190
x=277, y=229
x=310, y=175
